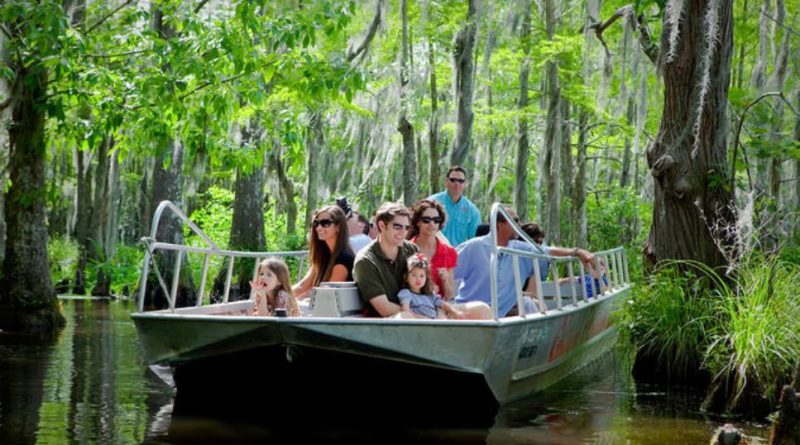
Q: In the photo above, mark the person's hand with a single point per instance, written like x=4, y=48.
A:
x=586, y=257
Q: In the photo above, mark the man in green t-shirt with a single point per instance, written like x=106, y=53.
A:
x=380, y=267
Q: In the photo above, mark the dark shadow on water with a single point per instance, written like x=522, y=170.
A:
x=358, y=401
x=23, y=366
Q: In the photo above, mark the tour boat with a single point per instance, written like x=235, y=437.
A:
x=332, y=350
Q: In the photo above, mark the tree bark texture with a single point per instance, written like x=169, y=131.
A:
x=692, y=211
x=463, y=68
x=625, y=175
x=520, y=200
x=579, y=188
x=433, y=125
x=27, y=298
x=552, y=133
x=247, y=225
x=405, y=128
x=797, y=162
x=99, y=219
x=315, y=143
x=83, y=204
x=566, y=173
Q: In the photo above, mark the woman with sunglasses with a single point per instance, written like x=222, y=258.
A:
x=427, y=220
x=329, y=251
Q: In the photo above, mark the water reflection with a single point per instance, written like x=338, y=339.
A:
x=88, y=385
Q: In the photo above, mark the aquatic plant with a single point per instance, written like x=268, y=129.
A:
x=755, y=347
x=667, y=320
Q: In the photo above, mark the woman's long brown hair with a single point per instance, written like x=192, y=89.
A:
x=321, y=257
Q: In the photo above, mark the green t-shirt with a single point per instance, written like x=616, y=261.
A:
x=377, y=275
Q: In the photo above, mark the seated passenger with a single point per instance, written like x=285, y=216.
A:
x=536, y=233
x=331, y=258
x=419, y=298
x=474, y=271
x=272, y=289
x=427, y=219
x=379, y=268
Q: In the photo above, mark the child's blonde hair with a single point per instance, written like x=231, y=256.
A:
x=281, y=271
x=419, y=261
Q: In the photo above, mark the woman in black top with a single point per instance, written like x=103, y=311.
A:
x=329, y=251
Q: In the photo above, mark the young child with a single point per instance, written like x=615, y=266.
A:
x=272, y=289
x=418, y=298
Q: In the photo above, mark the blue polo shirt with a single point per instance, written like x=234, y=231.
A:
x=463, y=218
x=473, y=269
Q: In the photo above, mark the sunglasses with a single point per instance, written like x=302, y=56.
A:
x=457, y=180
x=430, y=219
x=399, y=227
x=322, y=222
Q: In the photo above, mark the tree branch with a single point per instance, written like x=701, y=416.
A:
x=5, y=103
x=200, y=6
x=646, y=41
x=373, y=28
x=108, y=16
x=788, y=29
x=736, y=142
x=111, y=56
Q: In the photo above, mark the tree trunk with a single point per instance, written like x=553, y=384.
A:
x=797, y=162
x=433, y=126
x=247, y=225
x=566, y=173
x=99, y=220
x=463, y=47
x=692, y=212
x=777, y=83
x=285, y=186
x=579, y=189
x=410, y=177
x=624, y=178
x=27, y=298
x=523, y=146
x=552, y=135
x=315, y=143
x=83, y=203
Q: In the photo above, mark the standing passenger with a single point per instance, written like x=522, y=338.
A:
x=463, y=215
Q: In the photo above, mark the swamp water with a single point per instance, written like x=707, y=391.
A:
x=88, y=385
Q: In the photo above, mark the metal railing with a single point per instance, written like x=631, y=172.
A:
x=211, y=249
x=610, y=270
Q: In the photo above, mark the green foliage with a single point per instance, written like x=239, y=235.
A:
x=617, y=217
x=124, y=269
x=669, y=318
x=757, y=341
x=63, y=254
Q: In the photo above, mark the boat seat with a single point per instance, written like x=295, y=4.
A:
x=336, y=300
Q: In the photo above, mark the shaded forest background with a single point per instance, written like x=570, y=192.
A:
x=251, y=114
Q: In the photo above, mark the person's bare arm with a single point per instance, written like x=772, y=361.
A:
x=447, y=290
x=451, y=312
x=384, y=307
x=584, y=255
x=303, y=288
x=339, y=273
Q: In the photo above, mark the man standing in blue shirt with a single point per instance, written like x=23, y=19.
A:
x=463, y=217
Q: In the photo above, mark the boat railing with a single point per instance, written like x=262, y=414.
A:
x=152, y=246
x=608, y=272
